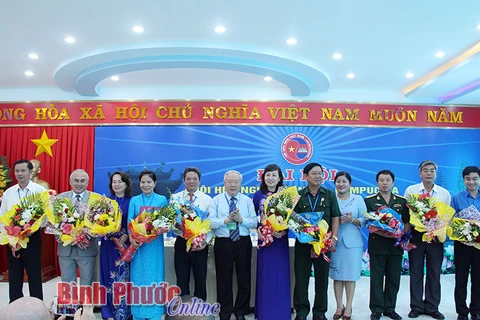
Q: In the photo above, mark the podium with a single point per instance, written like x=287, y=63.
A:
x=48, y=257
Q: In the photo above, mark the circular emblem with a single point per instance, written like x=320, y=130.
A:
x=297, y=148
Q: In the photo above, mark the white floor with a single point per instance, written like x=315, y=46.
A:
x=360, y=305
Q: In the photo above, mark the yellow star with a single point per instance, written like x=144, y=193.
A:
x=291, y=149
x=44, y=144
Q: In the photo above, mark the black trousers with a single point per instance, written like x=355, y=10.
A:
x=467, y=257
x=30, y=261
x=303, y=269
x=185, y=262
x=433, y=254
x=228, y=253
x=385, y=273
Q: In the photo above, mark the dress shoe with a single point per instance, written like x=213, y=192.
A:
x=414, y=314
x=375, y=316
x=460, y=317
x=436, y=315
x=392, y=315
x=240, y=317
x=319, y=318
x=300, y=318
x=475, y=317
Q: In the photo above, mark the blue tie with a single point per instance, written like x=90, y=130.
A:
x=234, y=234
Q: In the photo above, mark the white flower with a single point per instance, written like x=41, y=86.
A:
x=76, y=215
x=96, y=217
x=70, y=219
x=469, y=237
x=27, y=215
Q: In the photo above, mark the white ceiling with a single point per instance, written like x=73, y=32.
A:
x=380, y=42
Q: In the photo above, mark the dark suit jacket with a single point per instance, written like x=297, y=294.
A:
x=92, y=250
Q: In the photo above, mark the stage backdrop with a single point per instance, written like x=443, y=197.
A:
x=215, y=149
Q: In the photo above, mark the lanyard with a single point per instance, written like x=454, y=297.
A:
x=315, y=204
x=18, y=191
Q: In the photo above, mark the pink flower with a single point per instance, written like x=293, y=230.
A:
x=392, y=223
x=67, y=228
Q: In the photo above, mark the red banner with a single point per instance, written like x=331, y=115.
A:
x=236, y=112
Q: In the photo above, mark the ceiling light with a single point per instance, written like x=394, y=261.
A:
x=217, y=100
x=33, y=56
x=299, y=100
x=138, y=29
x=440, y=54
x=114, y=78
x=187, y=99
x=292, y=41
x=478, y=27
x=351, y=75
x=70, y=39
x=268, y=78
x=408, y=75
x=220, y=29
x=29, y=73
x=337, y=56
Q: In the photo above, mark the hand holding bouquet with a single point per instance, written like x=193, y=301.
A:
x=24, y=219
x=430, y=216
x=314, y=232
x=194, y=224
x=146, y=227
x=466, y=230
x=102, y=216
x=385, y=220
x=277, y=209
x=66, y=221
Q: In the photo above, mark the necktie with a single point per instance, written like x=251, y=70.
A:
x=77, y=197
x=234, y=234
x=191, y=198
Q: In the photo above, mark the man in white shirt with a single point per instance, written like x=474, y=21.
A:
x=29, y=258
x=232, y=215
x=433, y=252
x=192, y=260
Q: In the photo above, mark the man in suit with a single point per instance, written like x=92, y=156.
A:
x=70, y=257
x=28, y=258
x=385, y=258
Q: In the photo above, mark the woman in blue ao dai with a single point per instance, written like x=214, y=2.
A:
x=147, y=265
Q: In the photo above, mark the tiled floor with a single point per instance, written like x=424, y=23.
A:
x=360, y=305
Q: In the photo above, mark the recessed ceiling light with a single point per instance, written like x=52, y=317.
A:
x=69, y=39
x=408, y=75
x=299, y=100
x=33, y=56
x=220, y=29
x=440, y=54
x=29, y=73
x=217, y=100
x=268, y=78
x=187, y=99
x=70, y=100
x=114, y=78
x=138, y=29
x=292, y=41
x=28, y=101
x=337, y=56
x=351, y=75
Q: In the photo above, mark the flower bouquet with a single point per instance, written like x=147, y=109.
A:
x=4, y=175
x=465, y=227
x=146, y=227
x=277, y=209
x=66, y=222
x=194, y=224
x=23, y=220
x=430, y=216
x=387, y=220
x=102, y=216
x=313, y=231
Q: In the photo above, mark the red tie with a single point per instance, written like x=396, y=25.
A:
x=191, y=197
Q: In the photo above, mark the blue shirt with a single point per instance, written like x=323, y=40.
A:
x=220, y=208
x=463, y=200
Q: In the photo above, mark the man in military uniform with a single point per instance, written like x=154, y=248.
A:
x=385, y=259
x=314, y=198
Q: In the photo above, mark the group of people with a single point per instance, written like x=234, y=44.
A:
x=232, y=215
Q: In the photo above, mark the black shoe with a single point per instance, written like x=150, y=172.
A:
x=375, y=316
x=475, y=317
x=414, y=314
x=392, y=315
x=240, y=317
x=436, y=315
x=300, y=318
x=319, y=317
x=460, y=317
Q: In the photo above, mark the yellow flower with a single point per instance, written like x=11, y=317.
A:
x=389, y=215
x=103, y=217
x=475, y=233
x=22, y=223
